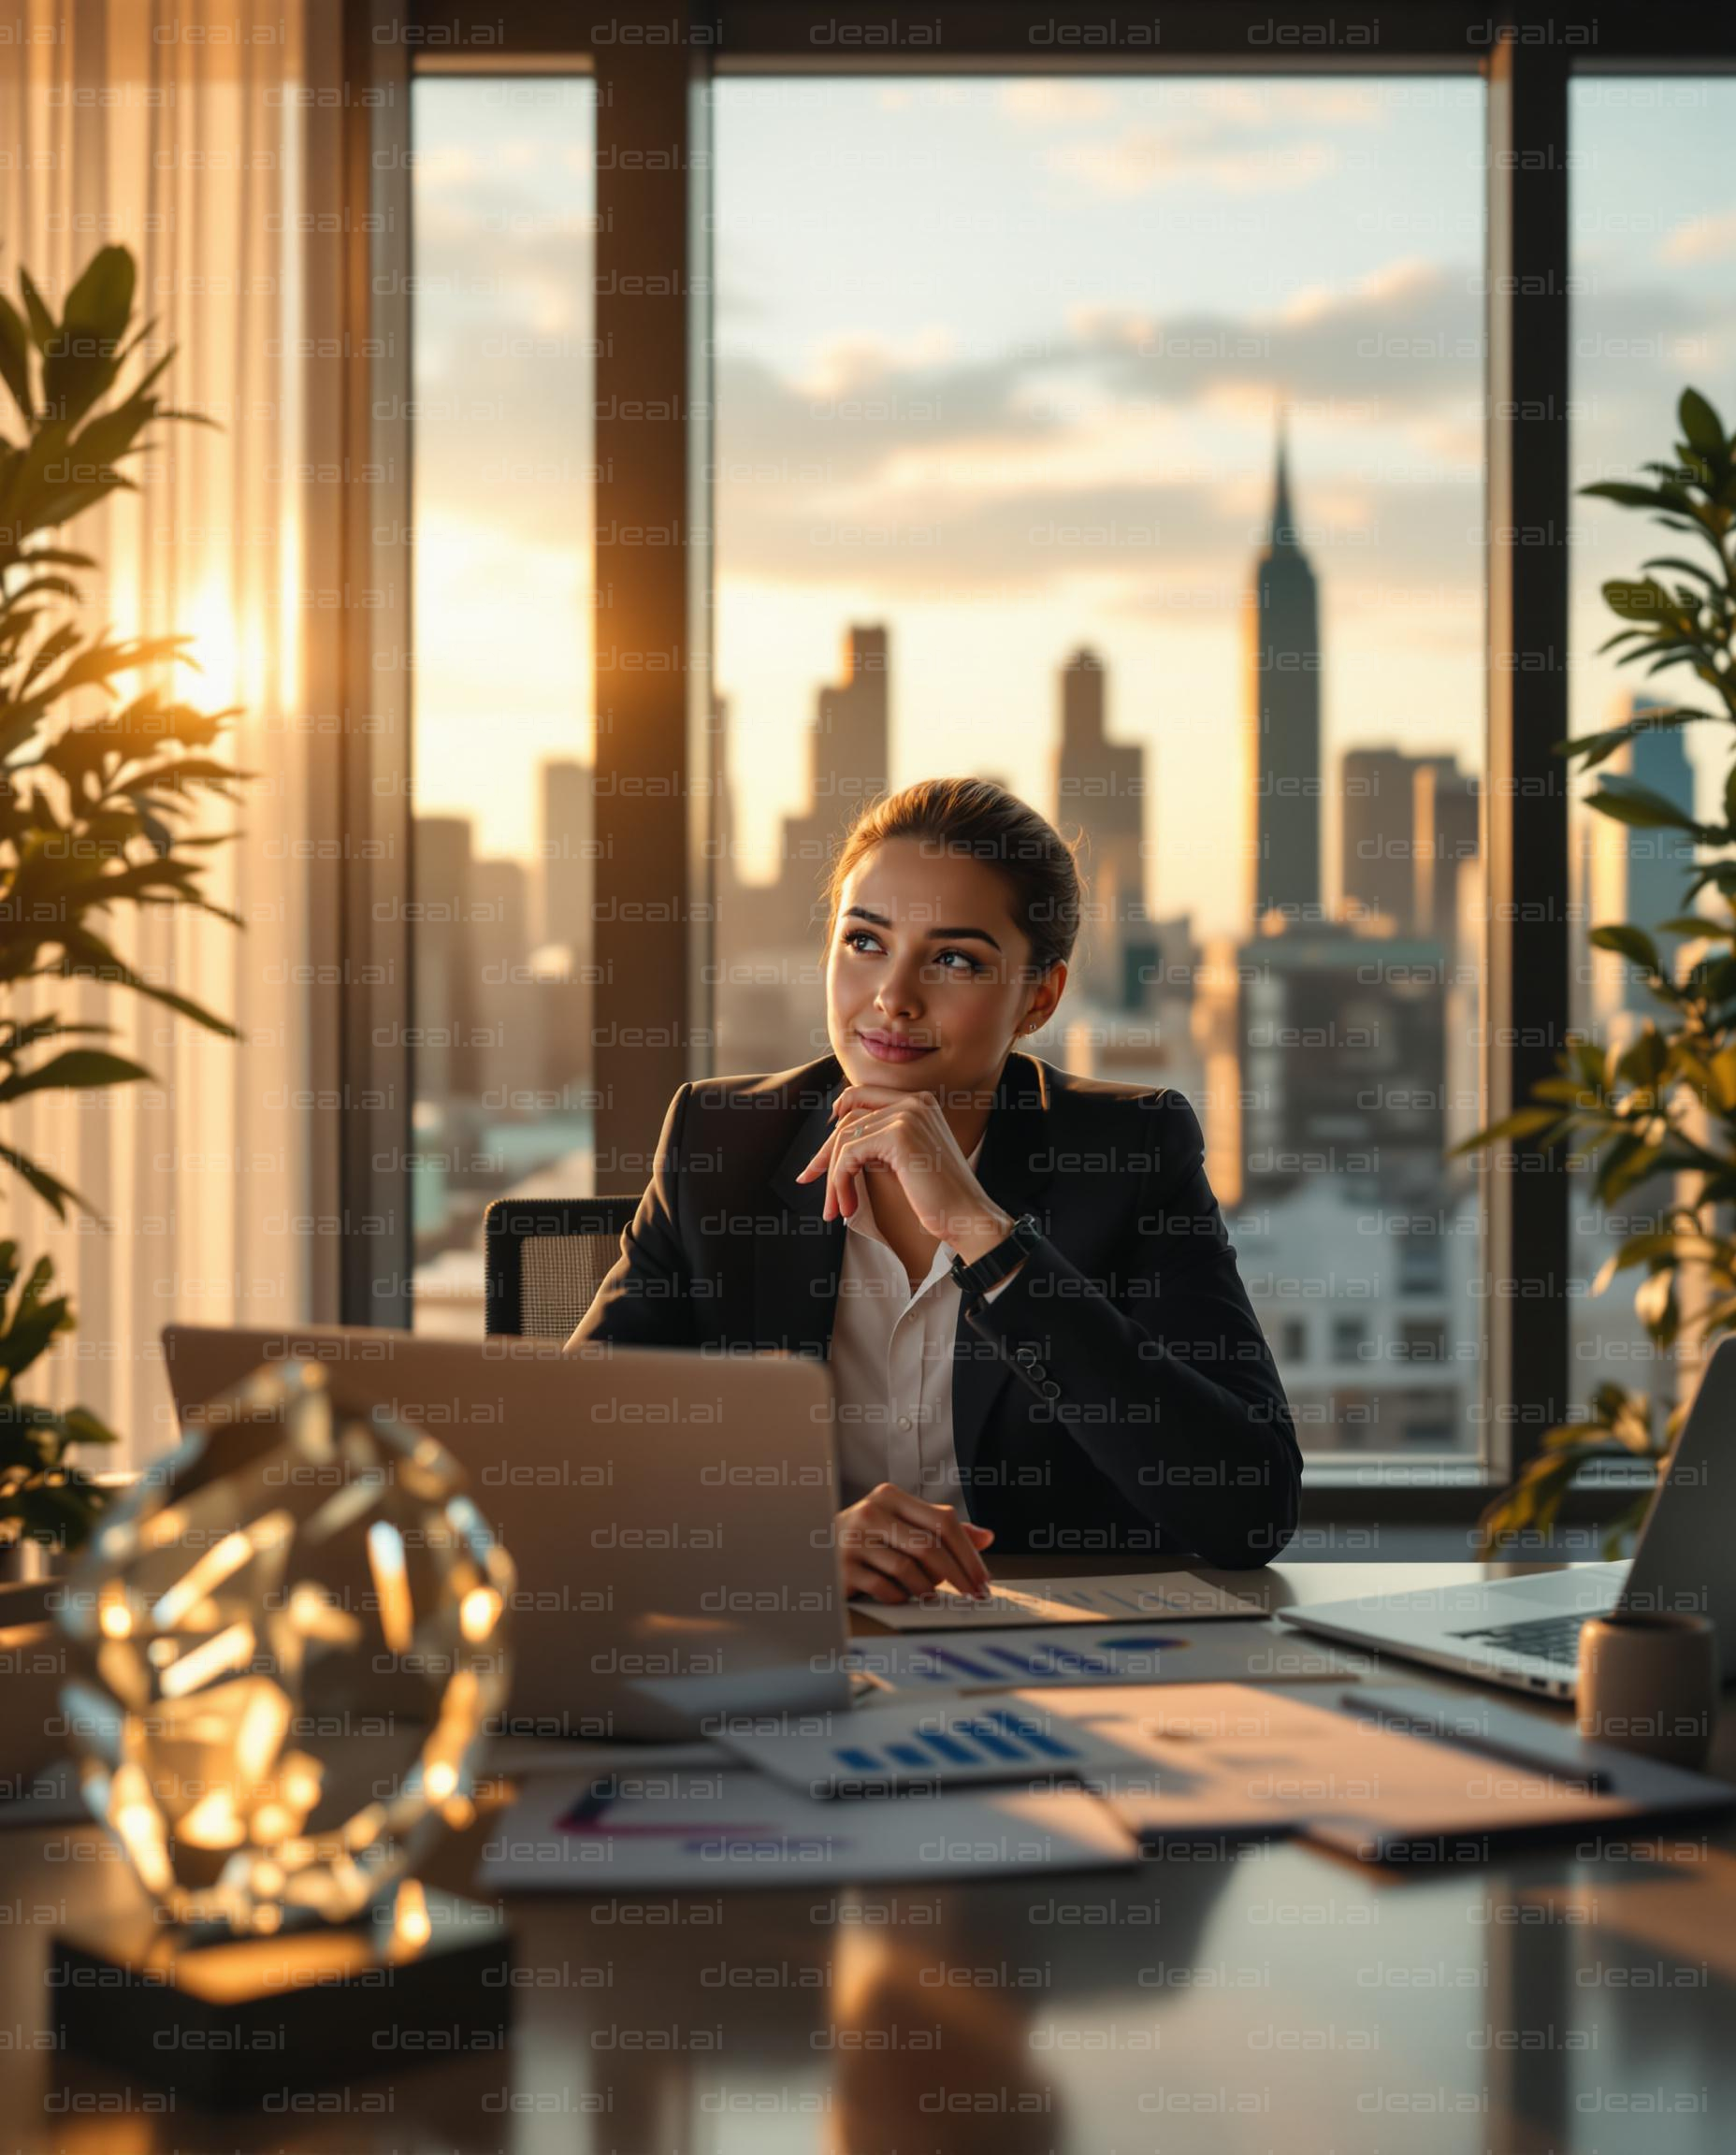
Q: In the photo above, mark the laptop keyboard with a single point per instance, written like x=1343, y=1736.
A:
x=1540, y=1637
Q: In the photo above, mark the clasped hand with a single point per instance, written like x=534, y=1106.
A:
x=908, y=1135
x=892, y=1544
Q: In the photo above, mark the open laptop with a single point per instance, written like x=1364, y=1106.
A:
x=670, y=1515
x=1525, y=1632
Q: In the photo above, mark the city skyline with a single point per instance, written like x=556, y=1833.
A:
x=897, y=387
x=1012, y=402
x=1395, y=809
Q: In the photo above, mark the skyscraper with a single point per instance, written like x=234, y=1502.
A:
x=1100, y=789
x=1449, y=820
x=566, y=816
x=1343, y=1057
x=849, y=759
x=510, y=1050
x=1635, y=875
x=1282, y=628
x=449, y=1063
x=769, y=934
x=1380, y=832
x=850, y=749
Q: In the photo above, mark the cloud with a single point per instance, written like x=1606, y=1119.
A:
x=1402, y=340
x=1052, y=101
x=920, y=469
x=1250, y=105
x=1169, y=536
x=1142, y=160
x=856, y=364
x=1237, y=138
x=907, y=465
x=1708, y=238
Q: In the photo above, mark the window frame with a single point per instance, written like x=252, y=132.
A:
x=658, y=351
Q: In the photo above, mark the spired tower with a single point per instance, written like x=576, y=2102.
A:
x=1282, y=627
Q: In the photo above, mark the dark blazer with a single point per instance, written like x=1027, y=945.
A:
x=1118, y=1395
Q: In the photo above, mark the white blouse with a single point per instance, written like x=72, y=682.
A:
x=891, y=1368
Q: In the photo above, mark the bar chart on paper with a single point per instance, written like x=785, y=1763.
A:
x=1003, y=1660
x=883, y=1749
x=1129, y=1598
x=1022, y=1657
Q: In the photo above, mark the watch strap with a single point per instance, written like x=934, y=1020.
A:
x=994, y=1265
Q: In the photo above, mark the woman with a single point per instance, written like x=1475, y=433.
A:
x=1096, y=1380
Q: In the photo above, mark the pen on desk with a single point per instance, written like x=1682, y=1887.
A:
x=1592, y=1778
x=592, y=1804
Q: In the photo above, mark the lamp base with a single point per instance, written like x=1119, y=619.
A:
x=235, y=2020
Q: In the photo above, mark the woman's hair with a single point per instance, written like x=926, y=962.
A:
x=976, y=818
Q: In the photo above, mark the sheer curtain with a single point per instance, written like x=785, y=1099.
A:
x=186, y=130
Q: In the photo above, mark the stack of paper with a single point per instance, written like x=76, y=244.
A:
x=1069, y=1778
x=1219, y=1758
x=705, y=1832
x=1105, y=1654
x=1125, y=1598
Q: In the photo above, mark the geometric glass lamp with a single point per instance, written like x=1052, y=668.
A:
x=287, y=1643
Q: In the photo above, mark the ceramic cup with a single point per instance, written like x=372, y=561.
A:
x=1650, y=1684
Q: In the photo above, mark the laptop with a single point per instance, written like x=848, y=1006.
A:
x=1525, y=1632
x=670, y=1515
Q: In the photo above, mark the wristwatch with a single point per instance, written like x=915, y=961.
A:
x=994, y=1265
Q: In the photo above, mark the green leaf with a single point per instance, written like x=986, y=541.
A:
x=1703, y=426
x=59, y=1509
x=1632, y=941
x=15, y=356
x=79, y=1069
x=1687, y=568
x=43, y=329
x=102, y=299
x=59, y=554
x=92, y=958
x=1637, y=1249
x=1629, y=801
x=1642, y=1061
x=1523, y=1122
x=1572, y=1092
x=1640, y=600
x=1532, y=1502
x=1598, y=747
x=1625, y=494
x=1628, y=1164
x=49, y=1188
x=1655, y=1304
x=1623, y=1528
x=83, y=1427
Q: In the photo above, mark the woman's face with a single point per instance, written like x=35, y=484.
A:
x=928, y=976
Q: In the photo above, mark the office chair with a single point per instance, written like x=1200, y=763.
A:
x=546, y=1258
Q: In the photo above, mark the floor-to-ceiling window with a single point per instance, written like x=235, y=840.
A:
x=1653, y=244
x=505, y=195
x=1123, y=438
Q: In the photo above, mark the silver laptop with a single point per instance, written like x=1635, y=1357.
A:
x=670, y=1515
x=1525, y=1632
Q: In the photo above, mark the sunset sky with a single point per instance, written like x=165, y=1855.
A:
x=997, y=365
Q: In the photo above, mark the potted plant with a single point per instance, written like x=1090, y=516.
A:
x=102, y=771
x=1664, y=1102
